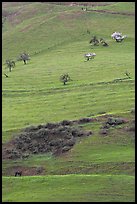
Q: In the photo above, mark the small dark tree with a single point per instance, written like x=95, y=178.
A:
x=10, y=64
x=94, y=41
x=24, y=57
x=65, y=78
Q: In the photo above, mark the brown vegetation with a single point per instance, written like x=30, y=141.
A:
x=56, y=138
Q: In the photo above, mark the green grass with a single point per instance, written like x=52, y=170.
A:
x=56, y=38
x=127, y=7
x=65, y=24
x=69, y=188
x=38, y=84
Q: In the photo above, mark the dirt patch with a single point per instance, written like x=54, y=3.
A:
x=26, y=171
x=81, y=3
x=112, y=12
x=95, y=168
x=70, y=16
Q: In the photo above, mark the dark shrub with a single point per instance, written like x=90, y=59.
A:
x=115, y=121
x=66, y=122
x=25, y=155
x=39, y=170
x=66, y=148
x=56, y=142
x=107, y=126
x=70, y=142
x=74, y=132
x=15, y=154
x=85, y=120
x=31, y=129
x=104, y=132
x=51, y=125
x=89, y=133
x=52, y=137
x=69, y=136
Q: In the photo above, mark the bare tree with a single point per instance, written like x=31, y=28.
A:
x=65, y=78
x=10, y=64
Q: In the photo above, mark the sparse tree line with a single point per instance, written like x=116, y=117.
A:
x=10, y=64
x=64, y=78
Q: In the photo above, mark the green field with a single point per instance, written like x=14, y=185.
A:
x=70, y=188
x=97, y=168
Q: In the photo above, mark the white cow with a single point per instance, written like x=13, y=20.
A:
x=118, y=36
x=89, y=56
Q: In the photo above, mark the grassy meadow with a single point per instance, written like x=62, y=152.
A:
x=70, y=188
x=97, y=168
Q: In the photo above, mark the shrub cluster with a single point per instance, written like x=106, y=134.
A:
x=51, y=137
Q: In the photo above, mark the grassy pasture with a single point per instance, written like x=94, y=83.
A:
x=33, y=93
x=56, y=38
x=49, y=28
x=127, y=7
x=70, y=188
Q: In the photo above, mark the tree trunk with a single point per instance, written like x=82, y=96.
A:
x=24, y=61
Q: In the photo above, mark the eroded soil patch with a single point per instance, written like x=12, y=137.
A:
x=26, y=171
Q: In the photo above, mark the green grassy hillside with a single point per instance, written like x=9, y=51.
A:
x=56, y=38
x=127, y=7
x=70, y=188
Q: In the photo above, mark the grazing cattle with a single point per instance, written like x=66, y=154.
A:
x=84, y=9
x=89, y=56
x=103, y=42
x=18, y=173
x=120, y=39
x=118, y=36
x=94, y=41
